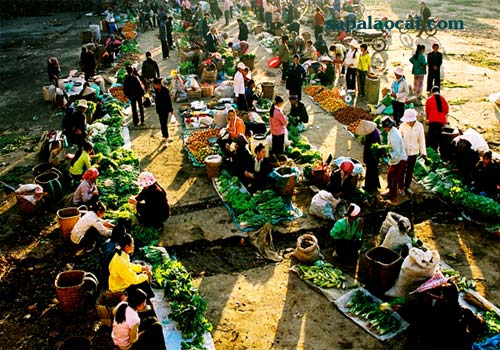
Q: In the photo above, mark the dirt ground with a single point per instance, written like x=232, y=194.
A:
x=252, y=303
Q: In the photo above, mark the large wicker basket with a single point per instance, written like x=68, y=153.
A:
x=70, y=286
x=67, y=218
x=194, y=94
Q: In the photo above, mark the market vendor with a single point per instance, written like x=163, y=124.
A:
x=250, y=94
x=342, y=182
x=152, y=204
x=240, y=158
x=239, y=47
x=80, y=162
x=125, y=276
x=256, y=175
x=298, y=112
x=464, y=159
x=326, y=72
x=130, y=331
x=235, y=127
x=369, y=130
x=54, y=70
x=74, y=124
x=87, y=193
x=86, y=230
x=347, y=233
x=486, y=180
x=239, y=87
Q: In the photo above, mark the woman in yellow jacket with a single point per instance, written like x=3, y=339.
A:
x=125, y=276
x=364, y=64
x=81, y=161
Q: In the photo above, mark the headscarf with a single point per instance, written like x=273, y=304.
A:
x=347, y=166
x=91, y=175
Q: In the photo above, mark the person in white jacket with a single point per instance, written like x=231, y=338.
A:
x=399, y=92
x=397, y=160
x=413, y=135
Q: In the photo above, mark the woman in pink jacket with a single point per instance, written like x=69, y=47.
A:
x=278, y=122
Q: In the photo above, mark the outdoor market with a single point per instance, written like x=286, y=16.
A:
x=249, y=175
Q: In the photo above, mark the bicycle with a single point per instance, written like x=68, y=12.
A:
x=430, y=28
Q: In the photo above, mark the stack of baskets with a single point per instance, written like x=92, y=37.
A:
x=209, y=74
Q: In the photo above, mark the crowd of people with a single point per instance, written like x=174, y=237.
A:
x=299, y=58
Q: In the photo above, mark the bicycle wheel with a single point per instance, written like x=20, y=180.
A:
x=431, y=31
x=403, y=29
x=379, y=44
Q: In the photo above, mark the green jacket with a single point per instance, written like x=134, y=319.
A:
x=284, y=53
x=419, y=64
x=345, y=230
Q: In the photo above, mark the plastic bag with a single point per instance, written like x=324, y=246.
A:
x=225, y=89
x=323, y=205
x=417, y=267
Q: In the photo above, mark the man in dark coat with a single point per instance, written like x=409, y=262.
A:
x=150, y=69
x=295, y=77
x=134, y=91
x=243, y=30
x=204, y=28
x=211, y=39
x=169, y=27
x=434, y=62
x=88, y=63
x=164, y=39
x=163, y=106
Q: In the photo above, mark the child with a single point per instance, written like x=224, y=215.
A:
x=338, y=64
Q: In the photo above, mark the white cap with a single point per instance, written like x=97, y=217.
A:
x=241, y=65
x=354, y=43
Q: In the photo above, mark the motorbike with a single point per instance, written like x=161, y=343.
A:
x=375, y=38
x=430, y=30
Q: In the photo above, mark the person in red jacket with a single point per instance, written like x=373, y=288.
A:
x=318, y=22
x=436, y=109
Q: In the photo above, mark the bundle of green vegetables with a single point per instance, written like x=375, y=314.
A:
x=301, y=152
x=264, y=103
x=186, y=303
x=251, y=211
x=144, y=235
x=186, y=68
x=129, y=46
x=380, y=320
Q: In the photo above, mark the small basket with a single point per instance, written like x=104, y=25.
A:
x=69, y=290
x=67, y=218
x=194, y=94
x=25, y=206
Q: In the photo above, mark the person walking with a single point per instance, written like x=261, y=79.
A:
x=278, y=122
x=295, y=77
x=243, y=30
x=203, y=25
x=150, y=70
x=351, y=62
x=133, y=89
x=163, y=107
x=284, y=56
x=418, y=70
x=413, y=135
x=239, y=87
x=211, y=40
x=399, y=94
x=169, y=28
x=434, y=62
x=88, y=63
x=228, y=5
x=363, y=68
x=397, y=159
x=425, y=14
x=436, y=110
x=318, y=22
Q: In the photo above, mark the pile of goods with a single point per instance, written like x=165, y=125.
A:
x=129, y=30
x=350, y=115
x=130, y=47
x=117, y=92
x=324, y=276
x=448, y=185
x=251, y=211
x=264, y=104
x=197, y=144
x=301, y=152
x=380, y=319
x=312, y=90
x=330, y=100
x=186, y=302
x=460, y=281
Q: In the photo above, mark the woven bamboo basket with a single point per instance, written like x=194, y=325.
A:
x=67, y=218
x=69, y=290
x=207, y=90
x=194, y=94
